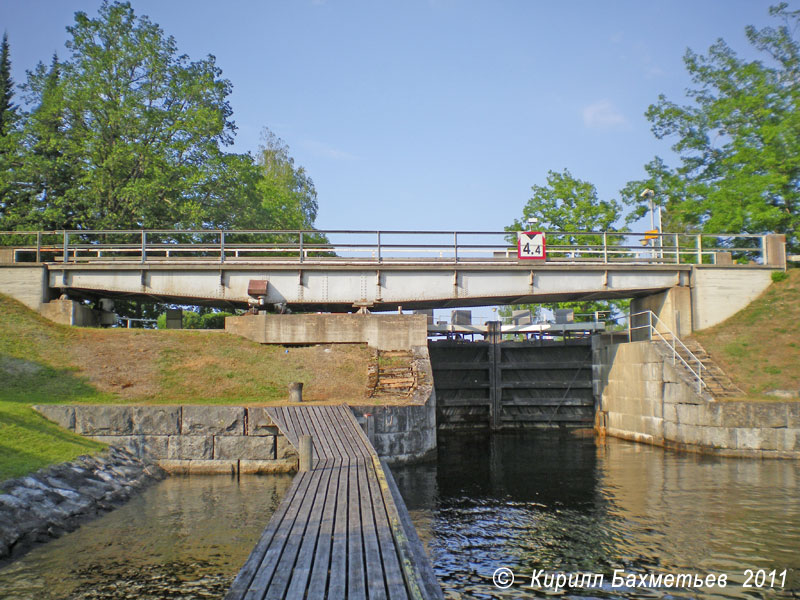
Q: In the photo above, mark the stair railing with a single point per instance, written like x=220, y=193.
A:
x=655, y=329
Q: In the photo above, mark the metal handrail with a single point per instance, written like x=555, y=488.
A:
x=653, y=324
x=455, y=246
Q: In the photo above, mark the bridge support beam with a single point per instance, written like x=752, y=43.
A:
x=673, y=307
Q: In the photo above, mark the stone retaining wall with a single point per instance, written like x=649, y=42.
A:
x=400, y=434
x=185, y=439
x=644, y=398
x=57, y=499
x=236, y=439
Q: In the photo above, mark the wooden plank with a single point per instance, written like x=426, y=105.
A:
x=322, y=448
x=393, y=573
x=337, y=588
x=283, y=539
x=266, y=566
x=248, y=571
x=330, y=422
x=355, y=431
x=313, y=534
x=356, y=589
x=349, y=441
x=427, y=584
x=318, y=581
x=338, y=533
x=324, y=420
x=376, y=585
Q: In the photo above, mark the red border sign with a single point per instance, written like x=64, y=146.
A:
x=534, y=249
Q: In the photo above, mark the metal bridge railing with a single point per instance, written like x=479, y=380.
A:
x=376, y=246
x=655, y=328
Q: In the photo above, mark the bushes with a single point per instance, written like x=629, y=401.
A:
x=195, y=320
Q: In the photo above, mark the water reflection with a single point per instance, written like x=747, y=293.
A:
x=564, y=504
x=186, y=537
x=522, y=501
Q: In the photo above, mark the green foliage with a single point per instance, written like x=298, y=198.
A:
x=570, y=205
x=778, y=276
x=7, y=108
x=286, y=192
x=127, y=133
x=738, y=141
x=198, y=320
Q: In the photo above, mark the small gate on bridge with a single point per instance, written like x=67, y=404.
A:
x=530, y=384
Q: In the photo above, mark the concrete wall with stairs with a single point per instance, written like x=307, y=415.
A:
x=642, y=396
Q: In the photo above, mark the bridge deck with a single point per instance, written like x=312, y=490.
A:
x=342, y=530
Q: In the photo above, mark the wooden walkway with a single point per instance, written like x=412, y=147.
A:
x=342, y=530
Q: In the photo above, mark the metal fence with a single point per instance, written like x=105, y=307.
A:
x=376, y=246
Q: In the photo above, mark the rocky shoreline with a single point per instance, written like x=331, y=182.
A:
x=57, y=499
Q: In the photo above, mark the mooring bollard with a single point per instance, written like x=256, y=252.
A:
x=295, y=391
x=306, y=452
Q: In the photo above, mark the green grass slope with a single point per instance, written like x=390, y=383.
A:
x=759, y=347
x=42, y=362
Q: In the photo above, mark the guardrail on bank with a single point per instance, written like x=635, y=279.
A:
x=655, y=329
x=376, y=246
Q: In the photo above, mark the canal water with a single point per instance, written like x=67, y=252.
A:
x=531, y=503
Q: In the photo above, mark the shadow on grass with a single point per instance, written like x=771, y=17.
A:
x=32, y=382
x=28, y=441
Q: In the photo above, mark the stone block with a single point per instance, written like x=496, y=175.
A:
x=212, y=420
x=748, y=438
x=190, y=447
x=793, y=414
x=671, y=431
x=394, y=419
x=687, y=414
x=267, y=467
x=199, y=467
x=670, y=413
x=59, y=414
x=147, y=447
x=103, y=420
x=735, y=414
x=719, y=437
x=768, y=414
x=652, y=372
x=244, y=447
x=283, y=449
x=259, y=422
x=674, y=393
x=156, y=420
x=769, y=438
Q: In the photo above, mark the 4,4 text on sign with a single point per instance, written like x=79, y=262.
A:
x=530, y=244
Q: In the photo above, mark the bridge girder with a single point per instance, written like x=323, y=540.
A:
x=340, y=287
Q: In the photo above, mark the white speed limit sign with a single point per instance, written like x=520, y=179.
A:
x=530, y=244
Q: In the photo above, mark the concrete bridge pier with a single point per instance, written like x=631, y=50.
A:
x=704, y=297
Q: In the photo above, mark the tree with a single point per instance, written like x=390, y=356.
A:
x=286, y=192
x=10, y=136
x=570, y=205
x=7, y=108
x=738, y=141
x=141, y=125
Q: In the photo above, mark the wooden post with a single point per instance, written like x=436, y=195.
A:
x=295, y=391
x=306, y=453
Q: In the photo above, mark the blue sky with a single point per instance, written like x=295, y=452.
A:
x=433, y=114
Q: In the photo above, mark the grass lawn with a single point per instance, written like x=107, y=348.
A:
x=759, y=347
x=42, y=363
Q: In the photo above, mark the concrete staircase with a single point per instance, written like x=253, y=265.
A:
x=718, y=384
